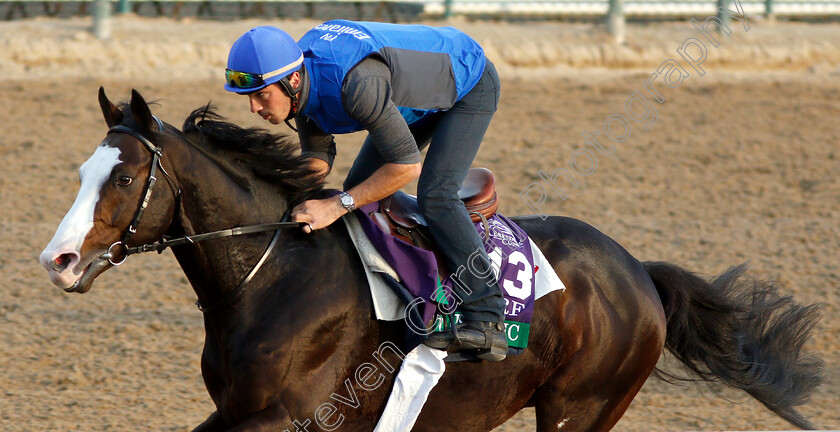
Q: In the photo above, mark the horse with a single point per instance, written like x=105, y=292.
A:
x=291, y=335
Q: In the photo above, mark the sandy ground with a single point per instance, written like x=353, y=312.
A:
x=740, y=165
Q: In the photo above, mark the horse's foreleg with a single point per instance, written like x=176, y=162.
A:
x=274, y=417
x=212, y=424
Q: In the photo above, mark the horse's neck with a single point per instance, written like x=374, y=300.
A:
x=212, y=201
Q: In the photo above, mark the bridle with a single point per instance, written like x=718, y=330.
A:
x=157, y=153
x=167, y=242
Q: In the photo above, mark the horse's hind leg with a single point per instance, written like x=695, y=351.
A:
x=572, y=402
x=591, y=393
x=594, y=413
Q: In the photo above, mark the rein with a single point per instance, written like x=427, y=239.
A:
x=191, y=239
x=163, y=243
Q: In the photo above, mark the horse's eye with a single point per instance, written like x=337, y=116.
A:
x=124, y=180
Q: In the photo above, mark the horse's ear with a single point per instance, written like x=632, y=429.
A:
x=140, y=112
x=113, y=116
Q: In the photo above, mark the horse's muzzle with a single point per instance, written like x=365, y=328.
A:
x=94, y=269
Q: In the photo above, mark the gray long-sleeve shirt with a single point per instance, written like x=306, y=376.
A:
x=367, y=96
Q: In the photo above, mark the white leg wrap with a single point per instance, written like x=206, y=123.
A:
x=420, y=372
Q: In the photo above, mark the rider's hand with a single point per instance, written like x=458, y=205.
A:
x=318, y=214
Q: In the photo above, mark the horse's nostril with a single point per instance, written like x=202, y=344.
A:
x=61, y=262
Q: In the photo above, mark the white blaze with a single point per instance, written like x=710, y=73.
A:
x=78, y=221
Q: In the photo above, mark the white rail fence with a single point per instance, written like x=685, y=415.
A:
x=631, y=7
x=615, y=12
x=446, y=8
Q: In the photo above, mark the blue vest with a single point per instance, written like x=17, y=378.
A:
x=431, y=68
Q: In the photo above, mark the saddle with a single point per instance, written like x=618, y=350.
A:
x=399, y=214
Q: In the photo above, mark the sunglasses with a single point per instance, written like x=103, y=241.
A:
x=246, y=80
x=243, y=80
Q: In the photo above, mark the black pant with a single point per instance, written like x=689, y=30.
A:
x=453, y=138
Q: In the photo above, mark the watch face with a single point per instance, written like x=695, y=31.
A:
x=346, y=200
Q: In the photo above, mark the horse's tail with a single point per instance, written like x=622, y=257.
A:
x=741, y=333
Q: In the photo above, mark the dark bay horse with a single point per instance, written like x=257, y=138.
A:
x=298, y=347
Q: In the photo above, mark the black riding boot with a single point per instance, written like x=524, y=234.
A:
x=488, y=339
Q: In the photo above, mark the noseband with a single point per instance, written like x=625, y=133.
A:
x=163, y=243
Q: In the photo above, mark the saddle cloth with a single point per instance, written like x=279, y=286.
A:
x=389, y=306
x=422, y=367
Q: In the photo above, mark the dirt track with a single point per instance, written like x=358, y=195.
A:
x=740, y=165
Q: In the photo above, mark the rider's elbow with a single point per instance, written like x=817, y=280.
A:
x=414, y=170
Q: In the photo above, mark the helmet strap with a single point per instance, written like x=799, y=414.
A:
x=294, y=94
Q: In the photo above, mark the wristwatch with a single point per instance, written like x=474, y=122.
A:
x=347, y=201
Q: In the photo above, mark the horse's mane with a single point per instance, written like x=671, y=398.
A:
x=271, y=157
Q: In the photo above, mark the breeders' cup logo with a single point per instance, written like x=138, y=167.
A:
x=501, y=232
x=333, y=31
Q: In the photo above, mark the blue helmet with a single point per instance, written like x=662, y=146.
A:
x=262, y=56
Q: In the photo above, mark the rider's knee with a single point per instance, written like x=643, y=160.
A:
x=437, y=204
